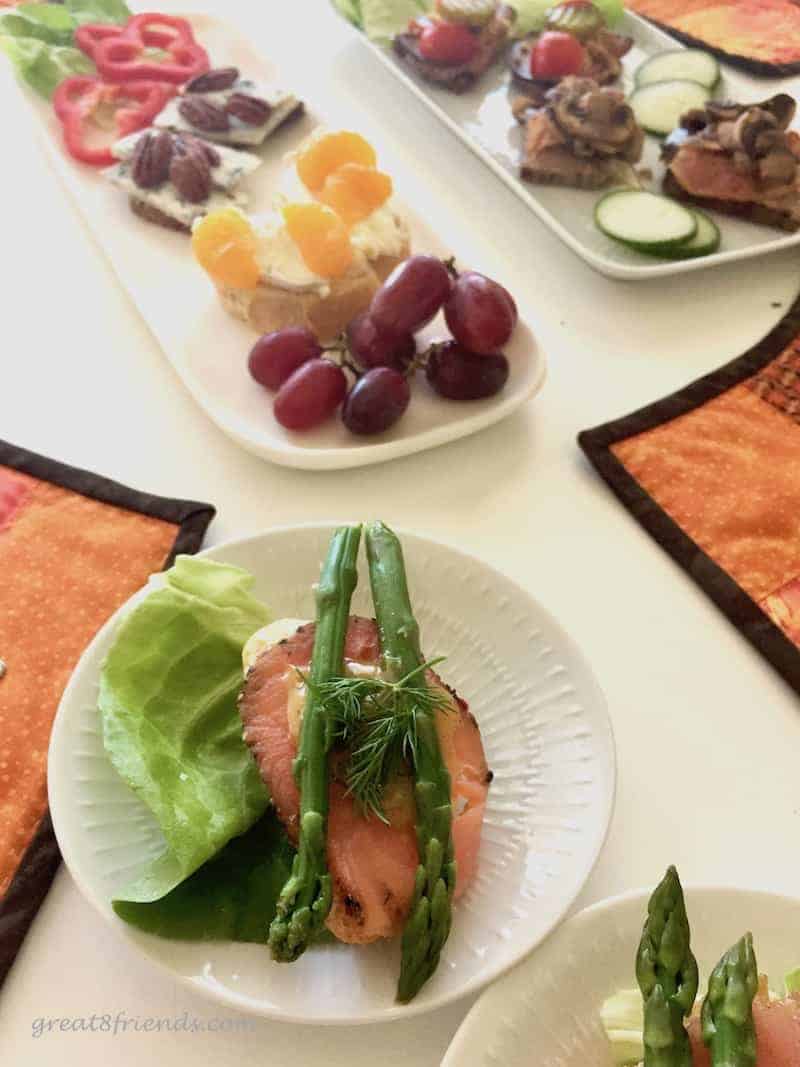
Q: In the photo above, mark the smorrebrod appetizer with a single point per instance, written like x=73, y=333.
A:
x=457, y=42
x=173, y=179
x=738, y=159
x=585, y=135
x=223, y=106
x=575, y=41
x=318, y=258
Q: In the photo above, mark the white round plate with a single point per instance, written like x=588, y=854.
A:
x=552, y=1002
x=547, y=738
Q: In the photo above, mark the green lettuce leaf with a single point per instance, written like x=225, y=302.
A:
x=351, y=10
x=99, y=10
x=42, y=65
x=230, y=898
x=531, y=13
x=51, y=23
x=171, y=728
x=382, y=19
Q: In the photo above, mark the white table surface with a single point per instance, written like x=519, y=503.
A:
x=708, y=735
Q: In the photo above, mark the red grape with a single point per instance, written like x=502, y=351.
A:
x=276, y=356
x=459, y=374
x=376, y=401
x=411, y=295
x=371, y=348
x=312, y=393
x=480, y=313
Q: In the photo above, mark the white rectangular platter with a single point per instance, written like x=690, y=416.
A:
x=208, y=349
x=482, y=119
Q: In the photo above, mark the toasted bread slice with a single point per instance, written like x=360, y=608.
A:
x=326, y=312
x=763, y=214
x=153, y=214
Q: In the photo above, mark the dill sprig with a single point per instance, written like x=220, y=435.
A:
x=377, y=720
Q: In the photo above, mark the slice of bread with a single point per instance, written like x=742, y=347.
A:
x=764, y=214
x=269, y=307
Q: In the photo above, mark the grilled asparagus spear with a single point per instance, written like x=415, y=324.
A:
x=428, y=923
x=727, y=1015
x=666, y=972
x=305, y=900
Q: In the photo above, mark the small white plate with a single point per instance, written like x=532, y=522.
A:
x=547, y=738
x=208, y=348
x=482, y=119
x=552, y=1002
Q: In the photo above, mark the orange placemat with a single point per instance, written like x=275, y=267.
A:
x=73, y=547
x=713, y=474
x=761, y=36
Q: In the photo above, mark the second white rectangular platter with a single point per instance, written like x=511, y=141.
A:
x=482, y=119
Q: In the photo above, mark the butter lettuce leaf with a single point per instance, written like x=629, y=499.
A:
x=51, y=23
x=531, y=13
x=382, y=19
x=43, y=66
x=99, y=10
x=171, y=728
x=232, y=897
x=351, y=10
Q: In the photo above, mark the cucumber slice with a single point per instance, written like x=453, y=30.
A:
x=705, y=241
x=682, y=64
x=644, y=221
x=658, y=107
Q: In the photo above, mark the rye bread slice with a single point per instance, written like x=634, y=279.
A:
x=752, y=211
x=152, y=214
x=458, y=78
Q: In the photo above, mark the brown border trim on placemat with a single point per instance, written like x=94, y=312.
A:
x=760, y=67
x=33, y=877
x=730, y=598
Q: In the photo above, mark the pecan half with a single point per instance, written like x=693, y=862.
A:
x=248, y=109
x=213, y=81
x=190, y=173
x=203, y=115
x=187, y=142
x=151, y=159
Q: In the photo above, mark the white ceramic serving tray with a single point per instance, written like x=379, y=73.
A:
x=208, y=348
x=482, y=119
x=547, y=738
x=546, y=1013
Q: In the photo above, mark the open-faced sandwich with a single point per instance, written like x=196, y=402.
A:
x=357, y=810
x=575, y=41
x=317, y=260
x=584, y=135
x=173, y=179
x=221, y=105
x=741, y=159
x=739, y=1023
x=457, y=42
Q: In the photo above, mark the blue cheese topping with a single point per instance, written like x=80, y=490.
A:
x=281, y=102
x=232, y=168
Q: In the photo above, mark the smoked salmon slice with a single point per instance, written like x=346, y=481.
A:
x=372, y=864
x=777, y=1032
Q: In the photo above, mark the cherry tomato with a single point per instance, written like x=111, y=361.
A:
x=555, y=55
x=447, y=42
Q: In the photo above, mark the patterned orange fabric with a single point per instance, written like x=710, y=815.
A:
x=66, y=564
x=729, y=474
x=764, y=30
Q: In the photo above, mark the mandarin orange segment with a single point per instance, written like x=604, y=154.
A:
x=225, y=246
x=322, y=238
x=329, y=152
x=355, y=191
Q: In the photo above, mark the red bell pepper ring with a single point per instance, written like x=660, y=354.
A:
x=88, y=36
x=77, y=99
x=124, y=57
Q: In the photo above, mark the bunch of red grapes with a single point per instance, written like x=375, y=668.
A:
x=380, y=350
